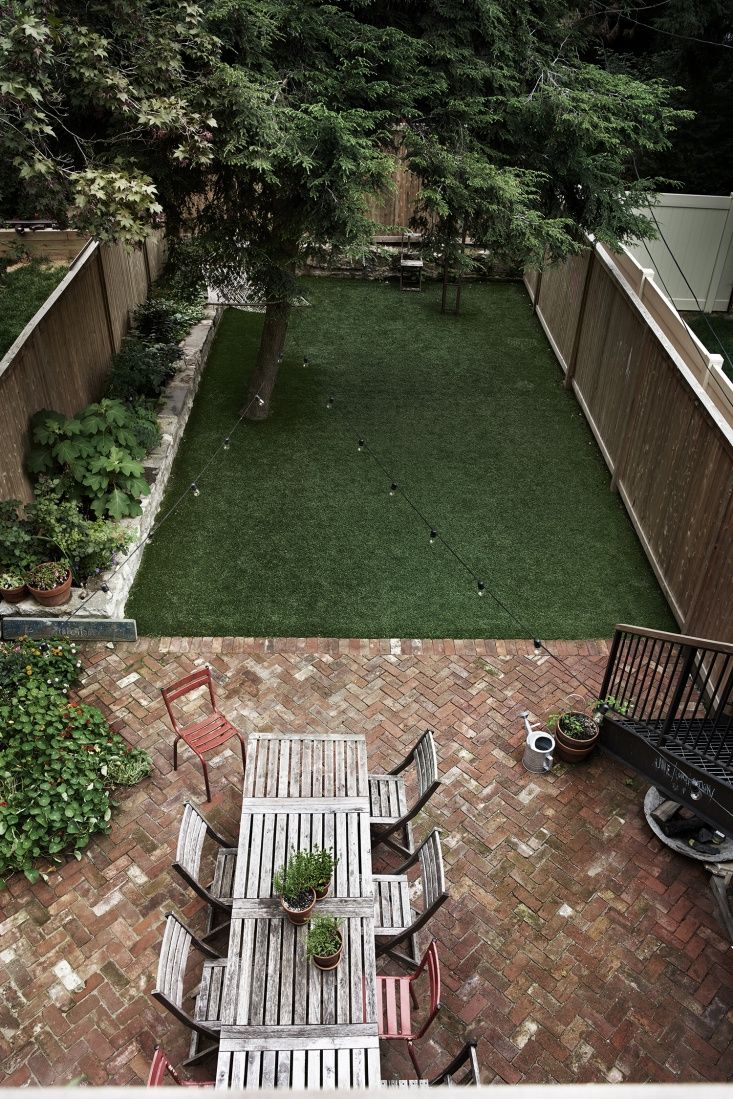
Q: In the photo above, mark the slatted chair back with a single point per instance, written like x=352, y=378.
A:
x=160, y=1067
x=177, y=943
x=426, y=762
x=431, y=964
x=430, y=855
x=191, y=838
x=463, y=1070
x=201, y=677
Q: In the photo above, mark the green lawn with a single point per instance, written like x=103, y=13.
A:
x=295, y=533
x=722, y=326
x=22, y=293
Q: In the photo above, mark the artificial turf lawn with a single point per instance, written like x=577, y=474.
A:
x=295, y=532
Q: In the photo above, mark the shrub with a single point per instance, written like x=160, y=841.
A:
x=23, y=292
x=98, y=454
x=166, y=320
x=141, y=369
x=324, y=937
x=89, y=545
x=294, y=881
x=144, y=425
x=58, y=758
x=19, y=547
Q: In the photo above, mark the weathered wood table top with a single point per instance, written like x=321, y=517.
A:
x=286, y=1023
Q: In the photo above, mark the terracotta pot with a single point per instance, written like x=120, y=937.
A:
x=323, y=891
x=53, y=597
x=13, y=595
x=329, y=961
x=299, y=916
x=570, y=749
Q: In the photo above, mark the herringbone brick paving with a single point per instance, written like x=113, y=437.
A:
x=575, y=946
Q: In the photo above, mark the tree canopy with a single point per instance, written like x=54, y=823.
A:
x=259, y=129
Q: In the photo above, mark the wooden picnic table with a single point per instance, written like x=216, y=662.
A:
x=286, y=1023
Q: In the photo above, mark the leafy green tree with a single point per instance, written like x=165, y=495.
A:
x=262, y=127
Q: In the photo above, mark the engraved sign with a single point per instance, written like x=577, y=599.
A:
x=75, y=629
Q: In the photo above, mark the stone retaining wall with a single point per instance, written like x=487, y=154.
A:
x=178, y=396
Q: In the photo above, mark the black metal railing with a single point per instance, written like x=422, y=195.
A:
x=676, y=692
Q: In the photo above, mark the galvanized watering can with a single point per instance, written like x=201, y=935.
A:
x=538, y=748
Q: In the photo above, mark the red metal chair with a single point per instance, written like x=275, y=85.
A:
x=396, y=994
x=204, y=735
x=160, y=1067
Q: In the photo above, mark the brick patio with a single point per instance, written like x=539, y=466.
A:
x=575, y=946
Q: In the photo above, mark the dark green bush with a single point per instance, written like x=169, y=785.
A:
x=19, y=547
x=141, y=369
x=166, y=320
x=144, y=425
x=58, y=759
x=89, y=545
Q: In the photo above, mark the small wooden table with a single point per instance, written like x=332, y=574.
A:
x=286, y=1023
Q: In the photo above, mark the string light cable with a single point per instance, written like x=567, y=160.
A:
x=434, y=535
x=192, y=490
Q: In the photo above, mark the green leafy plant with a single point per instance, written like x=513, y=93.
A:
x=48, y=575
x=611, y=703
x=19, y=548
x=322, y=865
x=324, y=937
x=294, y=881
x=58, y=758
x=90, y=545
x=166, y=320
x=97, y=452
x=573, y=724
x=141, y=368
x=10, y=580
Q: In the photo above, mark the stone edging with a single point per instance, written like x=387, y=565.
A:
x=337, y=646
x=177, y=400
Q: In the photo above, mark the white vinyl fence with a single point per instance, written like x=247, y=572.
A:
x=695, y=246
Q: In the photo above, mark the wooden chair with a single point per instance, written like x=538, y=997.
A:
x=206, y=1019
x=390, y=815
x=160, y=1067
x=395, y=921
x=218, y=893
x=411, y=262
x=206, y=734
x=395, y=995
x=465, y=1059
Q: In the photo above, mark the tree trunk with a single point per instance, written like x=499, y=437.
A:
x=445, y=282
x=459, y=280
x=264, y=376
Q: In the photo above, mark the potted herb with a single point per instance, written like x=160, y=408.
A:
x=49, y=583
x=576, y=734
x=324, y=943
x=293, y=884
x=322, y=863
x=12, y=586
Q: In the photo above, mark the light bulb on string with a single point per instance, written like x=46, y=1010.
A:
x=259, y=400
x=105, y=588
x=195, y=490
x=537, y=644
x=480, y=586
x=433, y=535
x=360, y=445
x=306, y=360
x=329, y=402
x=227, y=443
x=392, y=488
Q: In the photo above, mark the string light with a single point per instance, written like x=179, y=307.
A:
x=392, y=488
x=360, y=446
x=195, y=490
x=537, y=644
x=329, y=402
x=259, y=400
x=306, y=360
x=480, y=586
x=226, y=444
x=105, y=588
x=433, y=535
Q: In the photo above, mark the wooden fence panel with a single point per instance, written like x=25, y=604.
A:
x=561, y=291
x=62, y=358
x=669, y=448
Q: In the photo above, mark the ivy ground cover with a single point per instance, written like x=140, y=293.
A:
x=295, y=532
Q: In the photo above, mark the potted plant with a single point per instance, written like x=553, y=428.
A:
x=12, y=586
x=293, y=884
x=49, y=583
x=324, y=943
x=322, y=863
x=576, y=734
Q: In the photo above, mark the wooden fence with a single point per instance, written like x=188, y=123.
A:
x=61, y=358
x=667, y=442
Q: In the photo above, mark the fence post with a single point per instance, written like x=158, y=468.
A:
x=536, y=302
x=105, y=300
x=570, y=372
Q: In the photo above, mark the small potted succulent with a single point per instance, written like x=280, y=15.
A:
x=324, y=943
x=292, y=882
x=322, y=862
x=12, y=586
x=50, y=582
